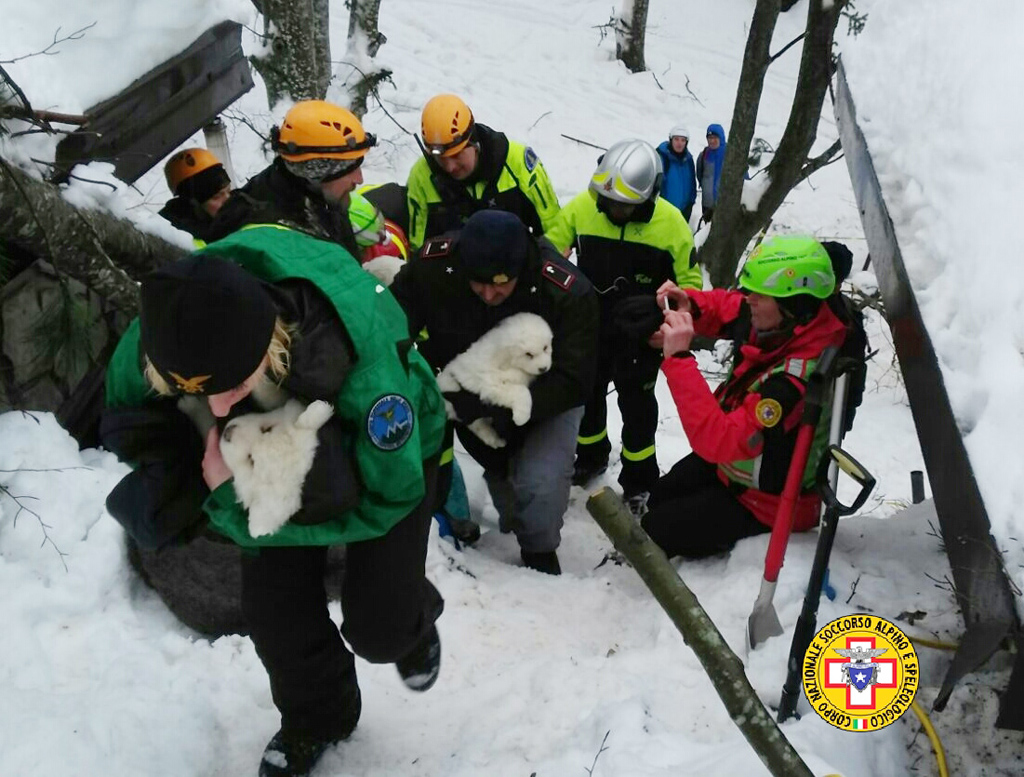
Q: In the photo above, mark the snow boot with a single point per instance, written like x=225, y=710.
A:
x=292, y=756
x=585, y=471
x=542, y=562
x=420, y=667
x=463, y=529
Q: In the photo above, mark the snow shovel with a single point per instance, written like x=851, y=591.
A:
x=764, y=621
x=807, y=622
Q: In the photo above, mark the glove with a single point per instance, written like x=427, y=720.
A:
x=637, y=318
x=500, y=418
x=467, y=405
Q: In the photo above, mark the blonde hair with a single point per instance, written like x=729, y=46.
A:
x=278, y=360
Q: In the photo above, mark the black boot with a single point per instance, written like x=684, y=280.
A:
x=292, y=755
x=584, y=471
x=419, y=669
x=542, y=562
x=463, y=529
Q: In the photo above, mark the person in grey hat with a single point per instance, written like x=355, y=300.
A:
x=459, y=286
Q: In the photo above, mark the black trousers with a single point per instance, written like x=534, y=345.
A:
x=634, y=387
x=387, y=606
x=694, y=515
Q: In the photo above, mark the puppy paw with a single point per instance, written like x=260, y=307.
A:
x=262, y=524
x=315, y=416
x=522, y=407
x=482, y=428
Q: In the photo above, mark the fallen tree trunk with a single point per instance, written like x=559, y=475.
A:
x=102, y=251
x=699, y=632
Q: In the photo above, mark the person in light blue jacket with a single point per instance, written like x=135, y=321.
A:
x=680, y=183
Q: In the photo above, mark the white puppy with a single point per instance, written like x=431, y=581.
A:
x=270, y=454
x=384, y=268
x=499, y=368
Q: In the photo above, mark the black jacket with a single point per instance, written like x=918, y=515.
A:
x=436, y=294
x=275, y=196
x=160, y=501
x=188, y=215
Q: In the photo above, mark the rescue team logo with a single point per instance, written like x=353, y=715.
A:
x=860, y=673
x=390, y=421
x=190, y=385
x=768, y=412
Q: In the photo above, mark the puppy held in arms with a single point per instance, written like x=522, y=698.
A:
x=499, y=368
x=270, y=455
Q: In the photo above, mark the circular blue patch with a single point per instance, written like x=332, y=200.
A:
x=390, y=421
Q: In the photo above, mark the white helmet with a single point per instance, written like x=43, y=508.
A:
x=630, y=172
x=679, y=131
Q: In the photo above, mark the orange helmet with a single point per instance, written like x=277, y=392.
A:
x=315, y=129
x=446, y=125
x=185, y=164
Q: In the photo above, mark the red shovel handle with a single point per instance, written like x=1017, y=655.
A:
x=787, y=504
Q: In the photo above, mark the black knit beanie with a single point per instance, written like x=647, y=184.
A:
x=203, y=185
x=205, y=324
x=492, y=246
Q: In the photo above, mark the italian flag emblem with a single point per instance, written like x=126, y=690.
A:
x=860, y=725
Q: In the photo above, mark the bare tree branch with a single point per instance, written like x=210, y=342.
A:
x=76, y=35
x=45, y=527
x=787, y=47
x=825, y=158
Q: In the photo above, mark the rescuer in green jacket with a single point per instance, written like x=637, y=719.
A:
x=301, y=320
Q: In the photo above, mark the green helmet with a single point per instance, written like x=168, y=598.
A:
x=787, y=265
x=367, y=221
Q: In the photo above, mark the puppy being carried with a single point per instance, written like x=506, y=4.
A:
x=499, y=368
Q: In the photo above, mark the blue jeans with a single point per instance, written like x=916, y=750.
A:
x=530, y=483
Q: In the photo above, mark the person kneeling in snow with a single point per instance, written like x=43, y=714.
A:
x=313, y=326
x=743, y=435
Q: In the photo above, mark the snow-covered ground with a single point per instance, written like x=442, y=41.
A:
x=98, y=678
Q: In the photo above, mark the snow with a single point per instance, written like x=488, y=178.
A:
x=556, y=676
x=944, y=138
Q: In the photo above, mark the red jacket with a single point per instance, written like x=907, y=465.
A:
x=723, y=427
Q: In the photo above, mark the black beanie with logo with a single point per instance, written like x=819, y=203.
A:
x=492, y=246
x=205, y=324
